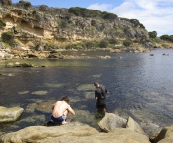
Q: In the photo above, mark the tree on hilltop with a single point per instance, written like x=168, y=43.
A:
x=6, y=2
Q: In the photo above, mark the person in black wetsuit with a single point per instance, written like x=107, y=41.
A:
x=100, y=96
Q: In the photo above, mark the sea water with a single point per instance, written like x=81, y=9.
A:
x=139, y=85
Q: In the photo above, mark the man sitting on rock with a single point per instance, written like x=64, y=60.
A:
x=60, y=111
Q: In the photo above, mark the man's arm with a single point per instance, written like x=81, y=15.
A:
x=53, y=106
x=96, y=95
x=71, y=110
x=106, y=91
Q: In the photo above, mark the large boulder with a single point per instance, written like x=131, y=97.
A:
x=35, y=133
x=117, y=136
x=72, y=132
x=111, y=121
x=134, y=126
x=165, y=136
x=10, y=114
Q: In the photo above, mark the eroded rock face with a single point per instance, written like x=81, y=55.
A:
x=40, y=27
x=10, y=114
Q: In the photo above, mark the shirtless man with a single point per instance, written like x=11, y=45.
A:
x=60, y=110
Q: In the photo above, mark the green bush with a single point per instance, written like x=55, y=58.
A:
x=2, y=24
x=90, y=45
x=103, y=44
x=43, y=8
x=83, y=12
x=109, y=16
x=7, y=37
x=6, y=2
x=25, y=4
x=167, y=38
x=63, y=23
x=113, y=41
x=36, y=15
x=127, y=43
x=135, y=22
x=152, y=34
x=72, y=46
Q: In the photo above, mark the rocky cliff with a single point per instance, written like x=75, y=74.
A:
x=44, y=28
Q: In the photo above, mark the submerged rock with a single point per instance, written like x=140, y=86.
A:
x=10, y=114
x=45, y=107
x=85, y=87
x=40, y=92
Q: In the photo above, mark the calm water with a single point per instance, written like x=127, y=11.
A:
x=139, y=86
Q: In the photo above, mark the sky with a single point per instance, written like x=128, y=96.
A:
x=155, y=15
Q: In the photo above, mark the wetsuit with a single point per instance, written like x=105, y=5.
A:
x=100, y=93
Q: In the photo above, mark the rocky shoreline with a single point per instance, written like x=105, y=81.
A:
x=24, y=53
x=113, y=128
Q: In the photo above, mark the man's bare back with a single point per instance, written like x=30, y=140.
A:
x=61, y=108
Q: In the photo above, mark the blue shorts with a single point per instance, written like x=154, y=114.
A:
x=59, y=119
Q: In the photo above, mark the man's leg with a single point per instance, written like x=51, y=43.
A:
x=65, y=114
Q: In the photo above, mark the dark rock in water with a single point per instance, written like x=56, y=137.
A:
x=51, y=123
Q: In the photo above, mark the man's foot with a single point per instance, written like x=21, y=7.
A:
x=64, y=122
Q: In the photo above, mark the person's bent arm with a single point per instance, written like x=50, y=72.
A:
x=96, y=97
x=53, y=106
x=71, y=110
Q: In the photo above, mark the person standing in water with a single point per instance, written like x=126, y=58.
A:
x=100, y=97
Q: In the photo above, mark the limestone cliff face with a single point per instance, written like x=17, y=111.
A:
x=33, y=27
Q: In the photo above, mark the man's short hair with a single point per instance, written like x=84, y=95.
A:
x=96, y=83
x=65, y=98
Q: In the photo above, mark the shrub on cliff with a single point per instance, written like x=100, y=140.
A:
x=109, y=16
x=7, y=37
x=92, y=13
x=2, y=24
x=127, y=43
x=103, y=44
x=152, y=34
x=113, y=41
x=6, y=2
x=25, y=4
x=43, y=8
x=90, y=44
x=84, y=12
x=63, y=23
x=167, y=38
